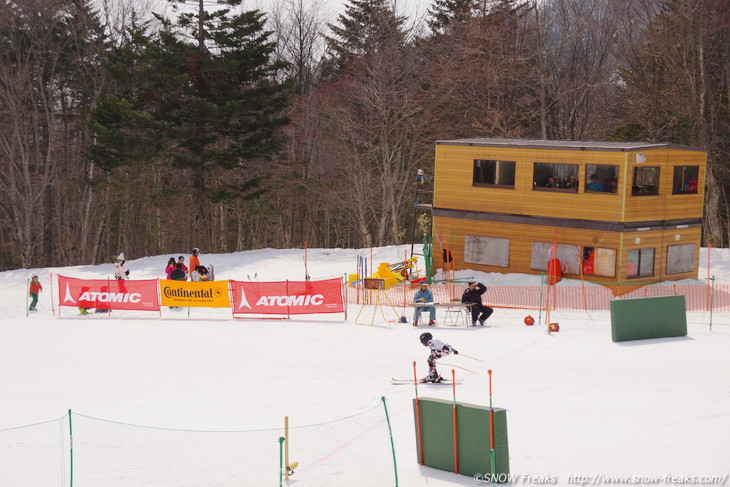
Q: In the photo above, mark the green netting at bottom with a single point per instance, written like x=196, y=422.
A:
x=36, y=455
x=352, y=451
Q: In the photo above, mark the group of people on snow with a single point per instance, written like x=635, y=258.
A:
x=178, y=271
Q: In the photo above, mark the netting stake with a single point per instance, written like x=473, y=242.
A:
x=491, y=432
x=392, y=445
x=71, y=451
x=281, y=459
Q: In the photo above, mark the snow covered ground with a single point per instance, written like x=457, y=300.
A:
x=579, y=404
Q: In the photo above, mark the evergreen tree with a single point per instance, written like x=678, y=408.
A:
x=200, y=95
x=445, y=13
x=366, y=27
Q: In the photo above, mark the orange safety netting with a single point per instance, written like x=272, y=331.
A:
x=697, y=297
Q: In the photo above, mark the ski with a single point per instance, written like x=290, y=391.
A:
x=404, y=382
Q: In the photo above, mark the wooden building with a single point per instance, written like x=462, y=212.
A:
x=626, y=213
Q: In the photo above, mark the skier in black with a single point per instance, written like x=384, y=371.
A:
x=473, y=294
x=438, y=350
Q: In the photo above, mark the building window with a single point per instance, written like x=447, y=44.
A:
x=553, y=177
x=685, y=179
x=542, y=252
x=486, y=251
x=494, y=173
x=646, y=181
x=680, y=258
x=640, y=263
x=599, y=262
x=601, y=178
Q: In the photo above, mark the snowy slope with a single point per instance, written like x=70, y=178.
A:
x=578, y=403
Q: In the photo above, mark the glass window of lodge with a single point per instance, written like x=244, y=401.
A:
x=685, y=179
x=646, y=181
x=640, y=263
x=494, y=173
x=599, y=262
x=601, y=178
x=549, y=176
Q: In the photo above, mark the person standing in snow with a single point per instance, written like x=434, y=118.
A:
x=181, y=261
x=121, y=270
x=194, y=261
x=33, y=290
x=473, y=296
x=424, y=295
x=170, y=267
x=438, y=350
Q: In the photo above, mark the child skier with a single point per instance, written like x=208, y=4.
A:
x=34, y=289
x=438, y=350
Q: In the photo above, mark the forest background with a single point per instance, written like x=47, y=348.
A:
x=220, y=127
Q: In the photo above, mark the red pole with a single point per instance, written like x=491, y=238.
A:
x=418, y=416
x=456, y=433
x=491, y=426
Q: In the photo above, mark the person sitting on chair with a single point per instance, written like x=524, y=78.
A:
x=473, y=295
x=424, y=295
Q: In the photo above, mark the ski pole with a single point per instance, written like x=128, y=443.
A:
x=458, y=367
x=473, y=358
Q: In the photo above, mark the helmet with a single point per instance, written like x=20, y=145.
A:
x=425, y=337
x=196, y=250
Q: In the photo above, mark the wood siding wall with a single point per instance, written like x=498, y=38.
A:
x=453, y=189
x=522, y=236
x=453, y=186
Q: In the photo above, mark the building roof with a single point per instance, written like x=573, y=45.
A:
x=564, y=144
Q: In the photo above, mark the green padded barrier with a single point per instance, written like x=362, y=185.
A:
x=639, y=319
x=473, y=437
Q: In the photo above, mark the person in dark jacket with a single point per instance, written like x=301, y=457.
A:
x=178, y=274
x=473, y=294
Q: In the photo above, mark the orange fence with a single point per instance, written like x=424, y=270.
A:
x=697, y=297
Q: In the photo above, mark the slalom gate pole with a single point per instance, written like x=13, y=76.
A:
x=456, y=431
x=418, y=416
x=392, y=444
x=27, y=295
x=281, y=459
x=491, y=432
x=286, y=448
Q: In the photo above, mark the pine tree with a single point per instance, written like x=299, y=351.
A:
x=445, y=13
x=210, y=104
x=366, y=27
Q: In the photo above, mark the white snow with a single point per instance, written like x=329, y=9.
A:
x=578, y=403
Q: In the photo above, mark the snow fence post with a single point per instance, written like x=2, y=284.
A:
x=71, y=451
x=392, y=445
x=281, y=459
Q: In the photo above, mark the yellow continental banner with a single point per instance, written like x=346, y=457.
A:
x=207, y=294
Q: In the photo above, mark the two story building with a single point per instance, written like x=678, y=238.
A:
x=622, y=213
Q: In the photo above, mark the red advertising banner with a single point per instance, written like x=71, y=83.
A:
x=108, y=293
x=287, y=297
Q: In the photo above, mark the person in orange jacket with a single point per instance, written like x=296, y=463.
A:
x=194, y=262
x=34, y=289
